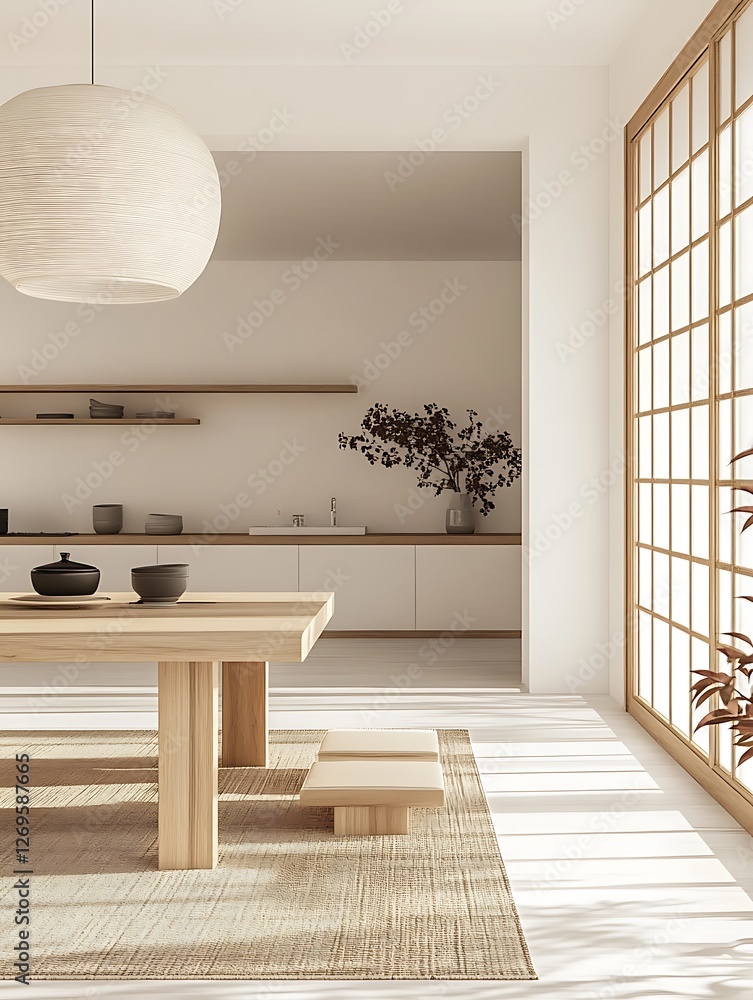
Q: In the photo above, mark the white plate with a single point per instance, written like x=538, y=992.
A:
x=37, y=601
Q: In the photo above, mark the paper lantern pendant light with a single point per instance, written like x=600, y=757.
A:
x=105, y=196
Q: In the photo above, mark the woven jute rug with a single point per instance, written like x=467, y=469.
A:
x=288, y=899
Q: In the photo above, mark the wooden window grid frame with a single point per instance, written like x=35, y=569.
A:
x=702, y=49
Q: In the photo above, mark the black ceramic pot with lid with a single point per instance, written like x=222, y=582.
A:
x=65, y=578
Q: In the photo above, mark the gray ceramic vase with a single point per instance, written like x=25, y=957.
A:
x=461, y=517
x=107, y=518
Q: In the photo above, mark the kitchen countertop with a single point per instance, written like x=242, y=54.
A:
x=376, y=538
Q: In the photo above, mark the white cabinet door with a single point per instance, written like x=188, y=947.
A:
x=114, y=562
x=374, y=585
x=17, y=562
x=232, y=568
x=478, y=586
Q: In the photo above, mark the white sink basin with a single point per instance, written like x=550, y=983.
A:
x=322, y=530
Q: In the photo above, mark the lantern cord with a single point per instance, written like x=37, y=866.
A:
x=92, y=41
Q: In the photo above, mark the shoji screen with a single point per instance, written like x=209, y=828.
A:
x=690, y=392
x=734, y=235
x=672, y=359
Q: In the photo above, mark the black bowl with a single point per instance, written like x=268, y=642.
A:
x=60, y=584
x=160, y=584
x=65, y=578
x=162, y=569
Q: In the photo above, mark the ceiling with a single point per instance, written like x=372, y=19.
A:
x=231, y=64
x=455, y=206
x=313, y=32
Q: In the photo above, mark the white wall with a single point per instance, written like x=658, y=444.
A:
x=559, y=116
x=640, y=62
x=347, y=320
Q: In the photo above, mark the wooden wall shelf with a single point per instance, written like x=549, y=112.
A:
x=191, y=538
x=88, y=422
x=206, y=389
x=197, y=389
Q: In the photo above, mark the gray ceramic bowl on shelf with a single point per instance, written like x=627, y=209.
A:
x=102, y=410
x=65, y=578
x=161, y=584
x=107, y=518
x=164, y=524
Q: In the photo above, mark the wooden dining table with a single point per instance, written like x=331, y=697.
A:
x=242, y=632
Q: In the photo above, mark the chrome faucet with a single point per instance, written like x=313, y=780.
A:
x=333, y=513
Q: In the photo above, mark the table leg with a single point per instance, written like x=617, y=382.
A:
x=245, y=713
x=187, y=765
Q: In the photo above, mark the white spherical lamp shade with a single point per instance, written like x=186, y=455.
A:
x=106, y=196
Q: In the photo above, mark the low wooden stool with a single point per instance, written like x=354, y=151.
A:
x=380, y=744
x=373, y=797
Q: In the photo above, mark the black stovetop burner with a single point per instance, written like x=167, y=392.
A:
x=38, y=534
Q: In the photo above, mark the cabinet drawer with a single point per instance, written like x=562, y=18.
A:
x=477, y=584
x=243, y=568
x=374, y=585
x=17, y=562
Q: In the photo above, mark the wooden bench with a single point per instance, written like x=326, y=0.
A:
x=380, y=744
x=373, y=797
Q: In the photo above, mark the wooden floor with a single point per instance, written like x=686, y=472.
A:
x=630, y=880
